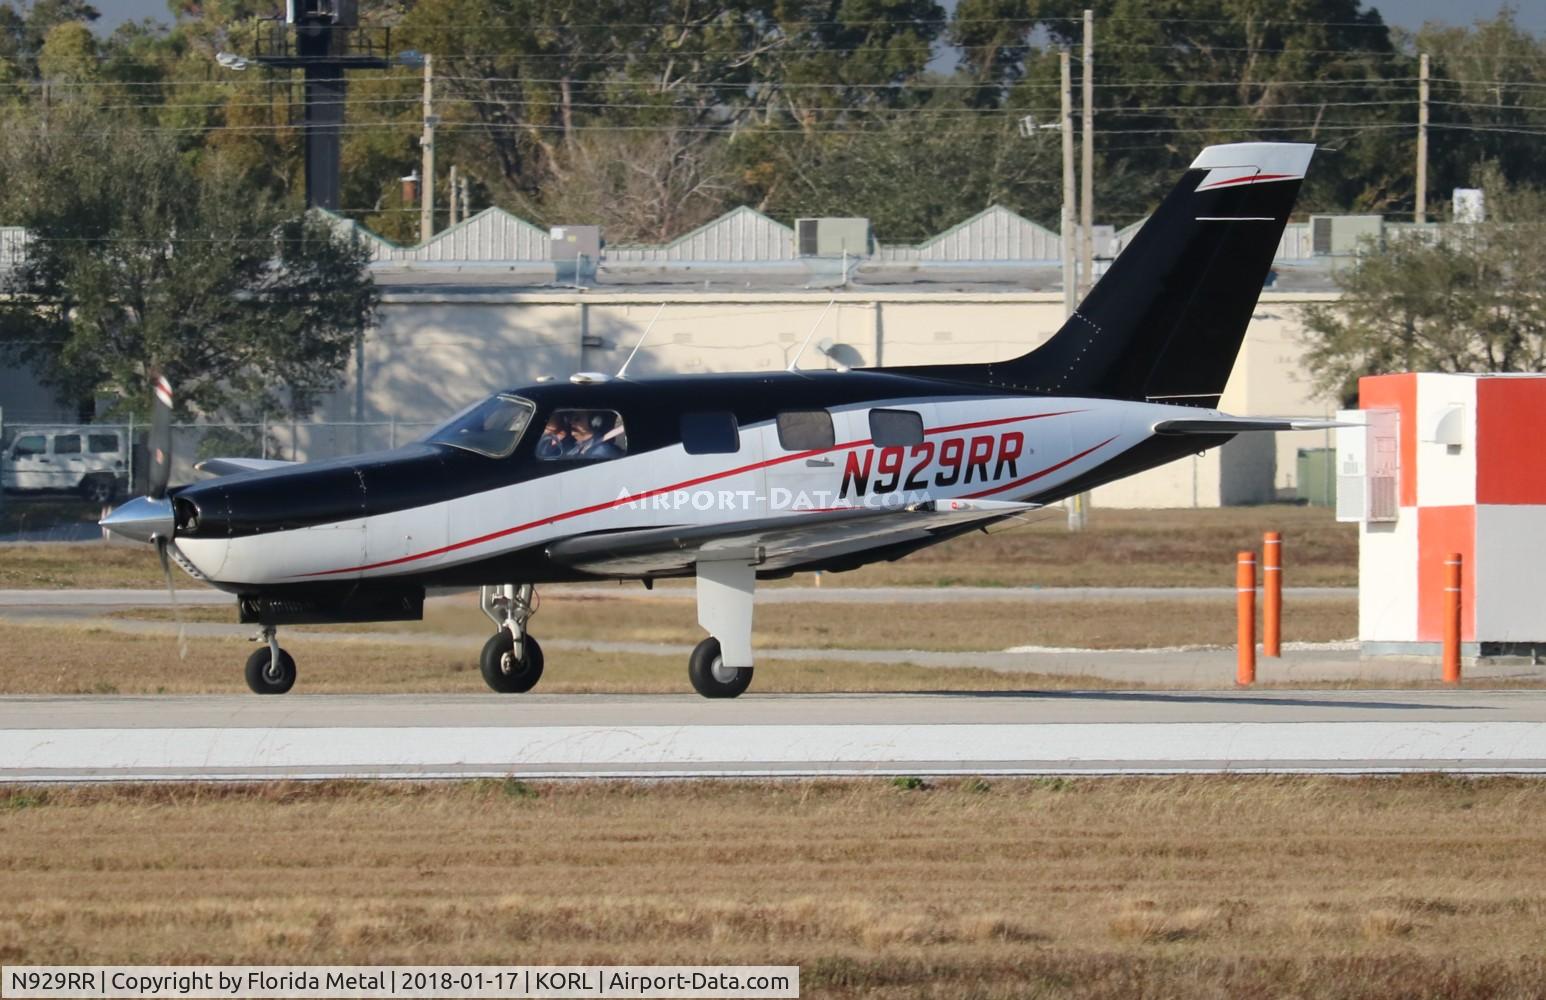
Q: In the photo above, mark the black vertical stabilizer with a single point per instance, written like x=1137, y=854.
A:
x=1166, y=320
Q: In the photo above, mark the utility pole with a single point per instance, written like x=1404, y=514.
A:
x=427, y=143
x=1070, y=291
x=452, y=199
x=1070, y=277
x=1087, y=164
x=1421, y=215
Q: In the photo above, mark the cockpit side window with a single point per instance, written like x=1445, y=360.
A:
x=492, y=427
x=583, y=435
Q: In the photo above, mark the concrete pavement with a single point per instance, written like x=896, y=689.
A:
x=253, y=738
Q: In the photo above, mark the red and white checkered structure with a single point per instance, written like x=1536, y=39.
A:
x=1448, y=463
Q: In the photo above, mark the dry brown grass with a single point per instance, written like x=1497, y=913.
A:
x=53, y=659
x=1121, y=548
x=1132, y=548
x=1183, y=887
x=55, y=566
x=949, y=627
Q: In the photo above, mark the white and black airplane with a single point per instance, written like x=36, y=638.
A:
x=740, y=477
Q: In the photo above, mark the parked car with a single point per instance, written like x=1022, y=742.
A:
x=91, y=461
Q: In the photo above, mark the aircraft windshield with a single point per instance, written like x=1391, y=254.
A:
x=492, y=427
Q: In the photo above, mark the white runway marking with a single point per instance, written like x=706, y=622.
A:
x=756, y=750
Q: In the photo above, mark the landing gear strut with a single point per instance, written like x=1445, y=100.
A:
x=270, y=670
x=721, y=665
x=511, y=661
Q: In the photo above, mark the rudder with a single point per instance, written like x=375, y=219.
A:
x=1167, y=319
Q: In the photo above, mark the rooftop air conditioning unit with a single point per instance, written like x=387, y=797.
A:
x=832, y=237
x=574, y=242
x=1343, y=235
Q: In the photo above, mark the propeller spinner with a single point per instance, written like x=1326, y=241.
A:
x=150, y=518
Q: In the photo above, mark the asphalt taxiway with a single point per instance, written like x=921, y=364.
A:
x=45, y=738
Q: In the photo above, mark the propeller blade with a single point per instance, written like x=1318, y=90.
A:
x=160, y=437
x=171, y=589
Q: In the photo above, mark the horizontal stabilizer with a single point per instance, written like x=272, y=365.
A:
x=1243, y=425
x=231, y=466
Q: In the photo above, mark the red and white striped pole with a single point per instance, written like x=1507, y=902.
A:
x=1452, y=618
x=1245, y=618
x=1272, y=594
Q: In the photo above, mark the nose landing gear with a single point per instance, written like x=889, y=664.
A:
x=270, y=670
x=511, y=661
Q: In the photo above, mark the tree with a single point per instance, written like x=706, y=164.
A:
x=640, y=189
x=1467, y=301
x=1176, y=75
x=137, y=262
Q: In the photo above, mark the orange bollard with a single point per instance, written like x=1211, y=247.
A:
x=1272, y=594
x=1452, y=619
x=1245, y=617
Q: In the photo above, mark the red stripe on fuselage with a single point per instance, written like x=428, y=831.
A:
x=1037, y=475
x=685, y=484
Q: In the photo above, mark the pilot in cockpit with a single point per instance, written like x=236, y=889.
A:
x=555, y=441
x=592, y=438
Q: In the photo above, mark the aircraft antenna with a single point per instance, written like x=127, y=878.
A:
x=794, y=362
x=642, y=338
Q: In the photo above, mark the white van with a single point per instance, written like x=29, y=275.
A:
x=91, y=461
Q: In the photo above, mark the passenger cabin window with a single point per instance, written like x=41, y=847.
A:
x=896, y=428
x=31, y=444
x=712, y=433
x=67, y=444
x=583, y=435
x=490, y=428
x=102, y=444
x=805, y=430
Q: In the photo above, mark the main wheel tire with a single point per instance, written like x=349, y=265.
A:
x=265, y=677
x=99, y=489
x=709, y=675
x=513, y=677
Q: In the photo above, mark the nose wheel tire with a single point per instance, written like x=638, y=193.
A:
x=709, y=675
x=265, y=676
x=502, y=671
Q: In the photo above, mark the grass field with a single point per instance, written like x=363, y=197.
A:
x=1120, y=548
x=39, y=659
x=953, y=627
x=1099, y=888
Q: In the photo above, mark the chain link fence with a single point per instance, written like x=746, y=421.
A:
x=57, y=478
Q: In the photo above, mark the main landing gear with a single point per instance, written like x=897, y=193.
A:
x=270, y=670
x=721, y=665
x=709, y=675
x=511, y=660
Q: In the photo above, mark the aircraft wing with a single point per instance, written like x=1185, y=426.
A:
x=1242, y=425
x=774, y=543
x=230, y=466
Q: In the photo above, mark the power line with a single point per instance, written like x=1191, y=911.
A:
x=408, y=126
x=922, y=83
